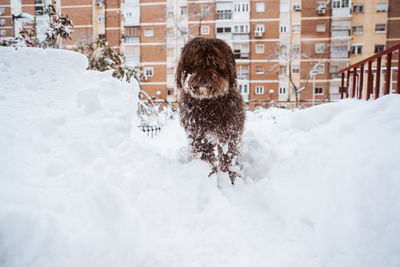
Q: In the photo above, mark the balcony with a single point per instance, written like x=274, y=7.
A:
x=242, y=76
x=243, y=86
x=340, y=54
x=132, y=39
x=223, y=15
x=133, y=59
x=241, y=55
x=341, y=12
x=341, y=33
x=258, y=34
x=334, y=75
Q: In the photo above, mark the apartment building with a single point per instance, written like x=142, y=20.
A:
x=5, y=19
x=279, y=45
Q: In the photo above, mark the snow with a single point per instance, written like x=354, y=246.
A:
x=80, y=185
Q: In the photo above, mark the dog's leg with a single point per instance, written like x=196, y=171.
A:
x=228, y=159
x=204, y=149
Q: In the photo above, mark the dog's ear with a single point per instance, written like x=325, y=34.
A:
x=231, y=64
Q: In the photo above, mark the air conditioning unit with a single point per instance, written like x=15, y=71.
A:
x=297, y=7
x=321, y=11
x=258, y=33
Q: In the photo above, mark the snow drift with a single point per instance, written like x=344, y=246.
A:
x=81, y=186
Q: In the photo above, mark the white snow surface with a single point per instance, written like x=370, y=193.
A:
x=80, y=185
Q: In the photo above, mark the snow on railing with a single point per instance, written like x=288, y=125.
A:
x=151, y=117
x=374, y=71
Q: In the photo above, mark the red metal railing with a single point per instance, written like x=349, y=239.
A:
x=357, y=70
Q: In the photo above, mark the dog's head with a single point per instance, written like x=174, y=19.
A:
x=206, y=68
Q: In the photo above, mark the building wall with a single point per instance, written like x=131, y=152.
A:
x=5, y=19
x=311, y=55
x=393, y=32
x=152, y=32
x=368, y=38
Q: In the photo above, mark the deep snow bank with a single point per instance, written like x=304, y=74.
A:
x=80, y=186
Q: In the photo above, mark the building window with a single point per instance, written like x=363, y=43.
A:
x=297, y=7
x=241, y=29
x=334, y=71
x=319, y=48
x=241, y=51
x=170, y=32
x=296, y=49
x=2, y=11
x=284, y=6
x=170, y=71
x=184, y=30
x=381, y=7
x=132, y=31
x=223, y=29
x=100, y=19
x=282, y=90
x=283, y=28
x=260, y=7
x=379, y=48
x=224, y=14
x=356, y=49
x=148, y=32
x=184, y=10
x=319, y=91
x=242, y=72
x=259, y=90
x=205, y=9
x=321, y=6
x=336, y=4
x=241, y=7
x=380, y=28
x=244, y=89
x=170, y=51
x=259, y=49
x=345, y=3
x=321, y=28
x=340, y=3
x=205, y=30
x=358, y=8
x=148, y=71
x=283, y=50
x=38, y=7
x=358, y=29
x=296, y=28
x=170, y=12
x=2, y=22
x=260, y=28
x=282, y=70
x=338, y=51
x=259, y=69
x=2, y=32
x=295, y=69
x=320, y=69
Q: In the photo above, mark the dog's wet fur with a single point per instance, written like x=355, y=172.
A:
x=211, y=107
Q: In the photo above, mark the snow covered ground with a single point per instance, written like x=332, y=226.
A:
x=81, y=186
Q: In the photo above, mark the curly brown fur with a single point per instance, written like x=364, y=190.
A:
x=211, y=107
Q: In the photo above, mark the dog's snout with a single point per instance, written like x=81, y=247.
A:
x=202, y=81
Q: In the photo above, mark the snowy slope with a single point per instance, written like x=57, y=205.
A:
x=81, y=186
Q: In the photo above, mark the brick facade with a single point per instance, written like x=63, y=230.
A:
x=152, y=32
